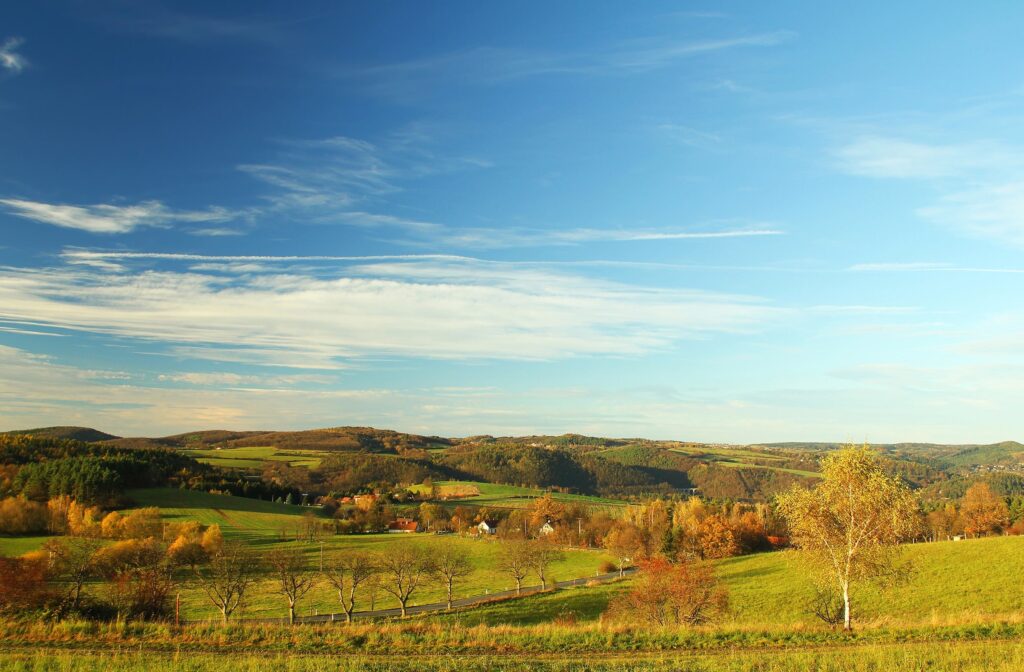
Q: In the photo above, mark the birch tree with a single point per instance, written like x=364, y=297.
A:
x=848, y=527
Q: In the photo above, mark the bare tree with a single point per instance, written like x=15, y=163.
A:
x=228, y=576
x=346, y=574
x=73, y=561
x=516, y=560
x=294, y=578
x=848, y=526
x=543, y=555
x=452, y=564
x=405, y=567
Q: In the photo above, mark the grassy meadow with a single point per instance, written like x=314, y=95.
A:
x=507, y=496
x=253, y=457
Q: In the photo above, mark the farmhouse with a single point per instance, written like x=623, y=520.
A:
x=399, y=525
x=547, y=528
x=487, y=527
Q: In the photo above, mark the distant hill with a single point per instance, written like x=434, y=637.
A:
x=342, y=439
x=951, y=455
x=86, y=434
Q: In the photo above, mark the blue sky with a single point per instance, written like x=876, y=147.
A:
x=722, y=222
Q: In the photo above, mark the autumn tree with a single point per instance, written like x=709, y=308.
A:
x=849, y=525
x=716, y=538
x=516, y=560
x=292, y=575
x=73, y=563
x=227, y=578
x=625, y=542
x=666, y=594
x=404, y=569
x=346, y=574
x=452, y=565
x=983, y=511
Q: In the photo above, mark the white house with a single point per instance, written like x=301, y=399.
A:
x=547, y=528
x=487, y=527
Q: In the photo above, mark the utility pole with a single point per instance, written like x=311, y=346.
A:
x=321, y=557
x=177, y=609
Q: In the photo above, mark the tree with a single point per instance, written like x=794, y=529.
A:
x=716, y=538
x=405, y=567
x=227, y=578
x=516, y=560
x=542, y=557
x=346, y=574
x=625, y=542
x=452, y=564
x=73, y=562
x=983, y=511
x=849, y=525
x=667, y=594
x=293, y=576
x=431, y=515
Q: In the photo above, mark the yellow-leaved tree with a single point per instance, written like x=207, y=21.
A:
x=849, y=526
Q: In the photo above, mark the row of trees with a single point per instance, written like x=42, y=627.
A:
x=980, y=512
x=138, y=576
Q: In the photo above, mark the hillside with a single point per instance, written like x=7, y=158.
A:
x=86, y=434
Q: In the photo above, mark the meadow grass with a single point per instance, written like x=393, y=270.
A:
x=932, y=656
x=253, y=457
x=512, y=496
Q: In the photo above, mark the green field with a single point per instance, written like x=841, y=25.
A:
x=254, y=457
x=261, y=524
x=510, y=496
x=950, y=582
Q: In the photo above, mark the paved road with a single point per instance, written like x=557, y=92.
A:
x=443, y=606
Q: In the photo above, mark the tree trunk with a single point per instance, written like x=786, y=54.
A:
x=291, y=613
x=519, y=586
x=846, y=607
x=224, y=614
x=449, y=596
x=403, y=601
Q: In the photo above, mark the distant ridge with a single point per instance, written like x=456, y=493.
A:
x=86, y=434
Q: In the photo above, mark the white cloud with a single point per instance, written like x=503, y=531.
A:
x=993, y=211
x=425, y=309
x=10, y=59
x=105, y=218
x=888, y=157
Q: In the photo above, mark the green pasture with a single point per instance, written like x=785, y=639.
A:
x=512, y=496
x=254, y=457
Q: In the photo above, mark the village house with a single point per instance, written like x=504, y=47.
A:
x=487, y=527
x=547, y=528
x=400, y=525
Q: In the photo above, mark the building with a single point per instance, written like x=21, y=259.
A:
x=400, y=525
x=487, y=527
x=547, y=528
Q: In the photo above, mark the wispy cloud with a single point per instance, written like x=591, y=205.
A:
x=444, y=309
x=327, y=178
x=106, y=218
x=492, y=65
x=927, y=267
x=994, y=211
x=890, y=157
x=10, y=59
